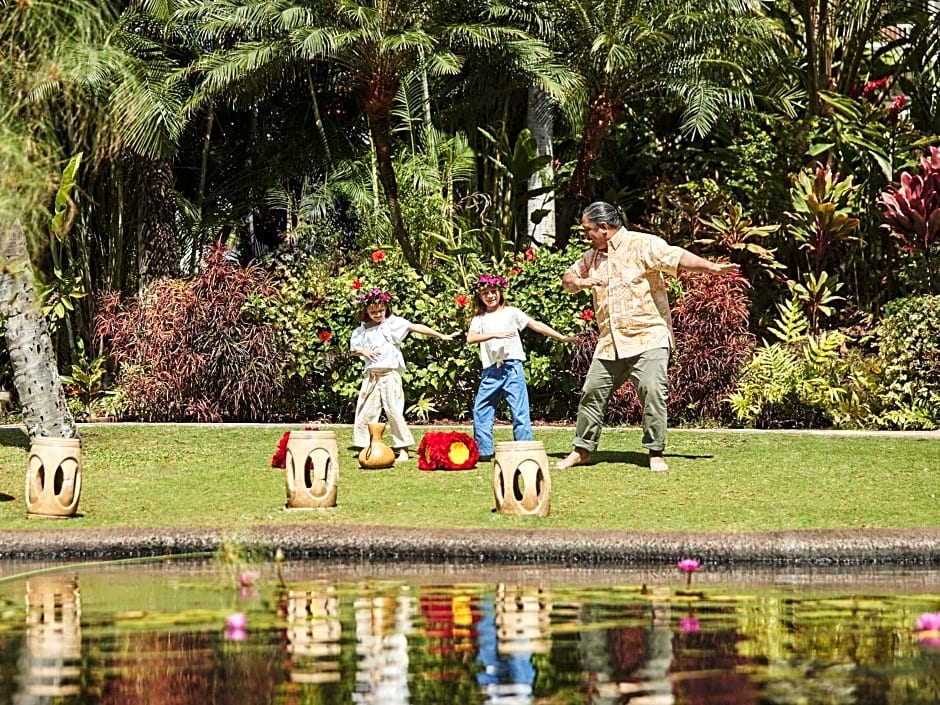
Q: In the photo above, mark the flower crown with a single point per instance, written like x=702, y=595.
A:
x=374, y=296
x=486, y=280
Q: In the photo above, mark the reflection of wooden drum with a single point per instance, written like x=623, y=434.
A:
x=312, y=466
x=53, y=477
x=521, y=481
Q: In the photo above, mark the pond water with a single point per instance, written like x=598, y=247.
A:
x=197, y=632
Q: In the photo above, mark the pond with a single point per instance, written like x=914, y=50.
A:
x=203, y=631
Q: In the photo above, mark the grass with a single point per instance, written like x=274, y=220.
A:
x=719, y=481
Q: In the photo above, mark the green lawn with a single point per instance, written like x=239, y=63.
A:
x=220, y=476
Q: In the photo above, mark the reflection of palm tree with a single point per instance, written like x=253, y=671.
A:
x=628, y=52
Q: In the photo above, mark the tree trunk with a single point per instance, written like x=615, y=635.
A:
x=158, y=251
x=603, y=112
x=35, y=374
x=542, y=205
x=379, y=126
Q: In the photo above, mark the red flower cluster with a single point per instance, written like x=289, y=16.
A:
x=897, y=105
x=279, y=460
x=447, y=450
x=873, y=86
x=325, y=336
x=356, y=284
x=378, y=256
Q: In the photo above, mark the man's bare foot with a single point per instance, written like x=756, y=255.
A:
x=575, y=457
x=657, y=463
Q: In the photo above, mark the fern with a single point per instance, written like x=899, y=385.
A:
x=792, y=323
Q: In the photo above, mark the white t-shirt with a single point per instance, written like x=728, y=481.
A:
x=385, y=337
x=497, y=350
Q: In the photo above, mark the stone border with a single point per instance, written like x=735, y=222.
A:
x=897, y=547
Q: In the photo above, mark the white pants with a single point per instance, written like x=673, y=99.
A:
x=381, y=389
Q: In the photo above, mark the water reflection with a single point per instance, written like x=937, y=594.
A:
x=156, y=635
x=51, y=663
x=313, y=634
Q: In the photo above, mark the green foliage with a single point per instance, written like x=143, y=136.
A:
x=822, y=203
x=909, y=352
x=86, y=387
x=806, y=380
x=818, y=294
x=314, y=313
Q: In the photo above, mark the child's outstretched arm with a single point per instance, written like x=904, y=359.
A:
x=549, y=332
x=473, y=338
x=430, y=332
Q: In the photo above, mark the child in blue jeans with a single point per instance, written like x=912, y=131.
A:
x=495, y=326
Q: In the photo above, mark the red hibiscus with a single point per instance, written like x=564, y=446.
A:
x=357, y=284
x=462, y=301
x=447, y=450
x=325, y=336
x=587, y=315
x=378, y=256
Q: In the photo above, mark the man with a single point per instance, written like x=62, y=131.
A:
x=631, y=308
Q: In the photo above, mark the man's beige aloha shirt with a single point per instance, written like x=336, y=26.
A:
x=632, y=308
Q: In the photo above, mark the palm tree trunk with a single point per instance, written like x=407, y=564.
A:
x=35, y=374
x=379, y=127
x=542, y=204
x=157, y=242
x=603, y=112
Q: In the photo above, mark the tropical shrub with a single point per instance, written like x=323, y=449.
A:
x=909, y=353
x=185, y=350
x=314, y=313
x=806, y=379
x=912, y=215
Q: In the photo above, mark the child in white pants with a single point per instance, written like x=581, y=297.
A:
x=377, y=340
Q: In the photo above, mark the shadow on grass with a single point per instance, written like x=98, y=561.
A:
x=14, y=437
x=6, y=497
x=630, y=457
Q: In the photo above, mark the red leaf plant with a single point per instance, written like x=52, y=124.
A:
x=447, y=450
x=187, y=351
x=912, y=210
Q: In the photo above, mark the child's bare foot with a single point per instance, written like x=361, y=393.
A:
x=657, y=463
x=576, y=457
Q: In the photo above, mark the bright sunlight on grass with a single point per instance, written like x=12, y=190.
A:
x=152, y=475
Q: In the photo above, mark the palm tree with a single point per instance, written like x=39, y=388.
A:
x=631, y=52
x=375, y=44
x=38, y=37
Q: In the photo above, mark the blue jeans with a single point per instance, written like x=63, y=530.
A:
x=501, y=382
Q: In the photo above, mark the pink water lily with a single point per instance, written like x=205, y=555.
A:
x=929, y=622
x=688, y=566
x=247, y=578
x=236, y=627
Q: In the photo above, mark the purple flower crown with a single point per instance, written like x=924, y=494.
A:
x=374, y=296
x=486, y=280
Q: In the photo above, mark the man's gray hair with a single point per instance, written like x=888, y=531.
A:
x=602, y=212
